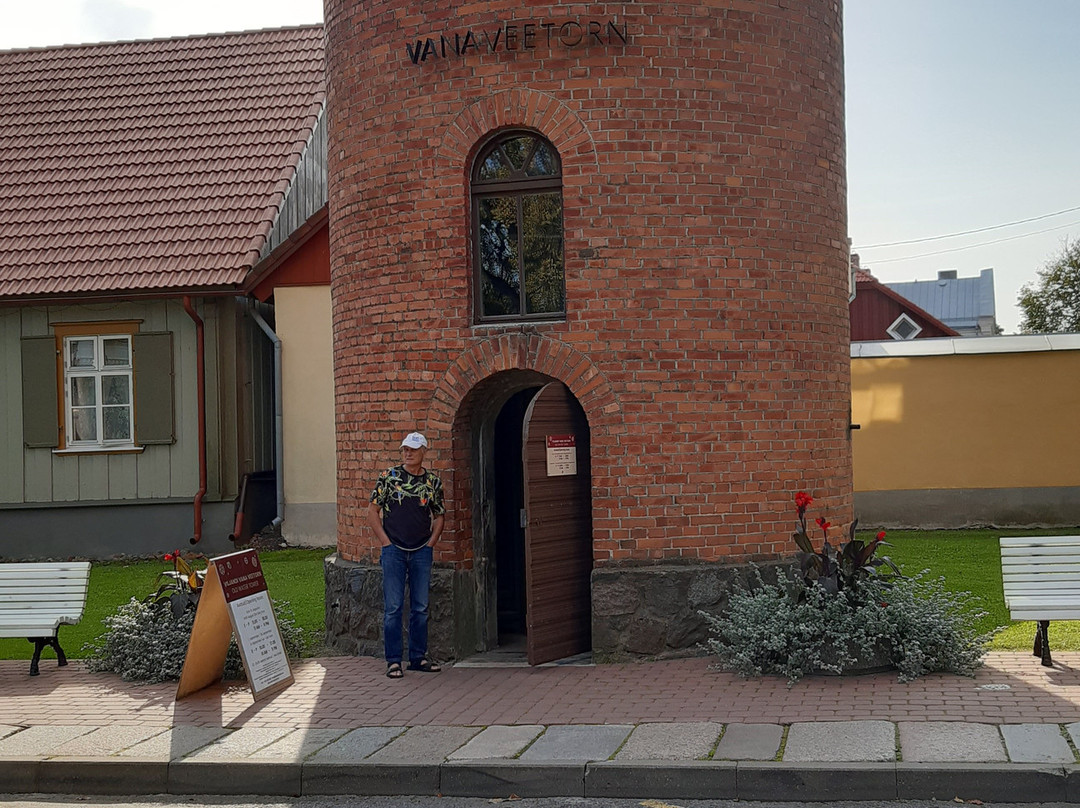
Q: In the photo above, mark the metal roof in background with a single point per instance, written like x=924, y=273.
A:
x=957, y=302
x=152, y=165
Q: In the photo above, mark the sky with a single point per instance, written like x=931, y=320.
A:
x=962, y=115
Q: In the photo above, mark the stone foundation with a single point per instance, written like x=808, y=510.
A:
x=649, y=612
x=354, y=610
x=637, y=611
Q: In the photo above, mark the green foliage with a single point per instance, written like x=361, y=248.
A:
x=792, y=629
x=145, y=642
x=839, y=612
x=837, y=569
x=1053, y=303
x=181, y=585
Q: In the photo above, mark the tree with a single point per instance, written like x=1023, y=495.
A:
x=1053, y=303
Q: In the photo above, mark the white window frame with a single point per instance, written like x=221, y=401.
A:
x=902, y=320
x=98, y=372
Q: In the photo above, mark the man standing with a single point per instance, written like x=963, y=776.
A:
x=406, y=513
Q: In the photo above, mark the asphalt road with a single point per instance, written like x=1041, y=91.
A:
x=164, y=801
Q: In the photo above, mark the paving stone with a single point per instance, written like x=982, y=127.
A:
x=497, y=742
x=670, y=742
x=298, y=745
x=578, y=742
x=41, y=740
x=1036, y=743
x=950, y=741
x=106, y=741
x=174, y=743
x=1074, y=733
x=425, y=744
x=239, y=744
x=749, y=742
x=841, y=741
x=356, y=745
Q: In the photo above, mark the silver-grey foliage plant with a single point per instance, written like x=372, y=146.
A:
x=790, y=628
x=145, y=642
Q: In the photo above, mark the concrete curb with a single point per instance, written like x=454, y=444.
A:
x=494, y=779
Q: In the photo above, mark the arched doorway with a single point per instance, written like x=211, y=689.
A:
x=533, y=520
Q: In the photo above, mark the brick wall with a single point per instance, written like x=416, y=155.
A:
x=706, y=259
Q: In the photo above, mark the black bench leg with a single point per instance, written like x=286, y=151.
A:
x=1042, y=643
x=39, y=646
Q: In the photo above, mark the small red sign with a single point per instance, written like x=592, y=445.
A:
x=561, y=441
x=240, y=575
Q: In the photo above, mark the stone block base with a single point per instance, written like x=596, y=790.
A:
x=637, y=611
x=354, y=610
x=654, y=611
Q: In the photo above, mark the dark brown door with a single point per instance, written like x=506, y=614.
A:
x=558, y=526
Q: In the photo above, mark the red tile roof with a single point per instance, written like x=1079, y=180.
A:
x=149, y=166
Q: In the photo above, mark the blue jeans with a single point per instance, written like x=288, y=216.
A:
x=398, y=566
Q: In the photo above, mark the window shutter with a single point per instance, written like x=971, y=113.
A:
x=41, y=409
x=153, y=357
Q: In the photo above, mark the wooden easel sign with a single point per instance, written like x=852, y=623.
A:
x=235, y=600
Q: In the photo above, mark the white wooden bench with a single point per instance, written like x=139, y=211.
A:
x=1041, y=579
x=37, y=598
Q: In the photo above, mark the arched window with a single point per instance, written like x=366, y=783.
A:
x=518, y=230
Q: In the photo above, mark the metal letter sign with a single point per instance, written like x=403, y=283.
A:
x=518, y=36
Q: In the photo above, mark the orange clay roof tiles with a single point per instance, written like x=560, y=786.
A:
x=149, y=166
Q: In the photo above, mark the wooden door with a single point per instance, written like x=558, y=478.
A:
x=558, y=526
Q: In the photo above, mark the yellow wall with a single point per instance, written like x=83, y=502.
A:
x=304, y=325
x=995, y=420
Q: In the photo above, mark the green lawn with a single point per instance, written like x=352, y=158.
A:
x=970, y=561
x=295, y=576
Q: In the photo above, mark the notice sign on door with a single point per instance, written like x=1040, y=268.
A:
x=234, y=600
x=561, y=455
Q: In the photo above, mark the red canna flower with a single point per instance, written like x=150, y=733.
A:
x=881, y=535
x=802, y=501
x=822, y=523
x=169, y=556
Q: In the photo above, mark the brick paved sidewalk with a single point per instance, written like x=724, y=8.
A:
x=346, y=692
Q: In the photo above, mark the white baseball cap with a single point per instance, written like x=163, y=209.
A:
x=414, y=440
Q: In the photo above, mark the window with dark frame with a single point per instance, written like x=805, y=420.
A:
x=518, y=230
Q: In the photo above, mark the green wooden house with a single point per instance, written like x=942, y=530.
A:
x=144, y=183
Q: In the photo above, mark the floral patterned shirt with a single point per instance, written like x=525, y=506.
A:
x=408, y=503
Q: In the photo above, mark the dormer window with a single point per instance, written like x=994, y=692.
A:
x=903, y=328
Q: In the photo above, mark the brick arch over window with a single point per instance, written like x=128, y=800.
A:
x=526, y=352
x=520, y=107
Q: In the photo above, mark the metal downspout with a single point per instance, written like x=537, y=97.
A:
x=279, y=424
x=200, y=374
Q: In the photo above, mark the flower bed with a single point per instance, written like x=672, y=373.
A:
x=847, y=609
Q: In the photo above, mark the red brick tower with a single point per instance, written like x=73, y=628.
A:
x=689, y=162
